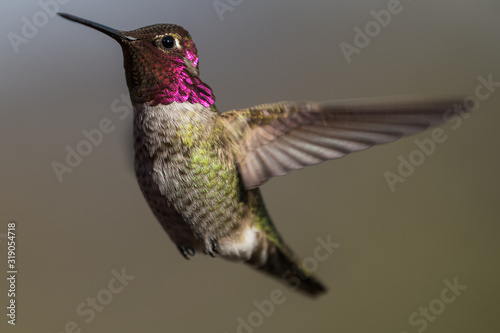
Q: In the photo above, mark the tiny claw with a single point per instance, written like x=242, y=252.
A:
x=212, y=250
x=186, y=251
x=215, y=246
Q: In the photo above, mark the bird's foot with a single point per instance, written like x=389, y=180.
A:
x=211, y=248
x=186, y=251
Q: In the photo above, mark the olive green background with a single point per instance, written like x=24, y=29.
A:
x=396, y=249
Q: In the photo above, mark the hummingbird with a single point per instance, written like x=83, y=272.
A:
x=200, y=170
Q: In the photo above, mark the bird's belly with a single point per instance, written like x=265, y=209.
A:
x=197, y=199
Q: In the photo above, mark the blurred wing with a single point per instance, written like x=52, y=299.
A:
x=273, y=139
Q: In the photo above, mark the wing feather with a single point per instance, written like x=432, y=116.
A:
x=272, y=139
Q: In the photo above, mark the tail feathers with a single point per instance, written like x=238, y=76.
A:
x=286, y=268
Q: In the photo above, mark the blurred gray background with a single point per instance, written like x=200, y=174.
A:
x=397, y=247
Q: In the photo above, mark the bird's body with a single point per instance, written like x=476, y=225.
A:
x=200, y=169
x=189, y=176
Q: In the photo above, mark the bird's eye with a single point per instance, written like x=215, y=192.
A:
x=168, y=42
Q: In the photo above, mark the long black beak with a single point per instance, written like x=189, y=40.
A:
x=113, y=33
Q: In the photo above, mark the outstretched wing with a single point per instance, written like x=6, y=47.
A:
x=273, y=139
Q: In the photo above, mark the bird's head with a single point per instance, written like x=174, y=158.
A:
x=161, y=63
